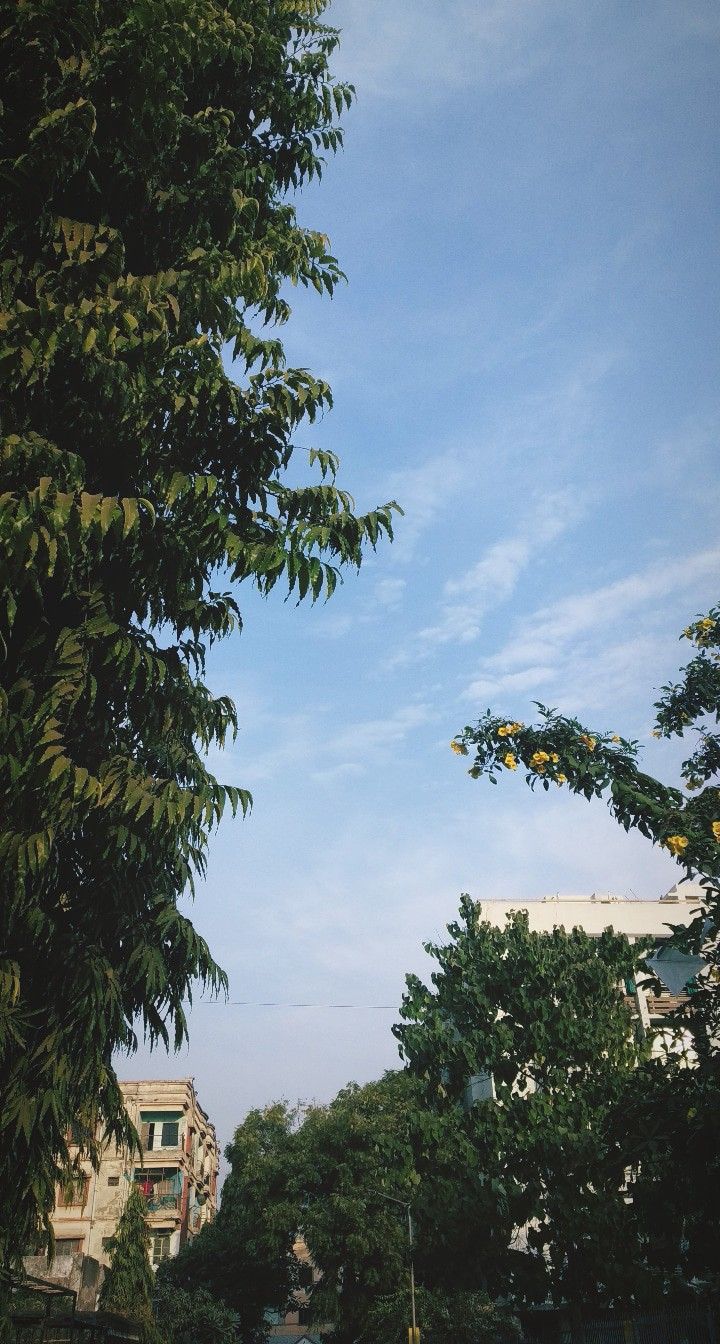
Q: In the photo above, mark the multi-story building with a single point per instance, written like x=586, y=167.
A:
x=177, y=1176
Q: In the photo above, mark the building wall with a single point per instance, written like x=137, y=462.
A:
x=177, y=1174
x=595, y=913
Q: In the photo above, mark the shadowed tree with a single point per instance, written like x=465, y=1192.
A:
x=148, y=152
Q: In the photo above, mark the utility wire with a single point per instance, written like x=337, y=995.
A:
x=274, y=1003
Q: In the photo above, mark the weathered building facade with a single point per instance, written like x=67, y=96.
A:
x=177, y=1177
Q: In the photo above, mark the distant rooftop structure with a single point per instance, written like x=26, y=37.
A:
x=601, y=910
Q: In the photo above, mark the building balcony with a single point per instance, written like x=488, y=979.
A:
x=164, y=1204
x=162, y=1189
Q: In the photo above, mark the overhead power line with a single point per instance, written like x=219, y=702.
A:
x=276, y=1003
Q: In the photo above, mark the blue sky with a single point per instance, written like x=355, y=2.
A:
x=526, y=358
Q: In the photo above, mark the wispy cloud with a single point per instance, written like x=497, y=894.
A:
x=595, y=645
x=390, y=592
x=389, y=49
x=424, y=491
x=285, y=747
x=494, y=577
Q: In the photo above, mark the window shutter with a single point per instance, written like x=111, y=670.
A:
x=145, y=1135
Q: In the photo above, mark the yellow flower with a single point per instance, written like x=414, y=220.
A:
x=554, y=757
x=538, y=759
x=615, y=738
x=508, y=729
x=716, y=830
x=707, y=624
x=561, y=779
x=509, y=761
x=656, y=732
x=677, y=844
x=590, y=742
x=459, y=748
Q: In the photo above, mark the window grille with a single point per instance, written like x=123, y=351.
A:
x=159, y=1247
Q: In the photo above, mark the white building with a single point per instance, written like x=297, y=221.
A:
x=601, y=910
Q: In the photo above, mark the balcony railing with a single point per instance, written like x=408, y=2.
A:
x=159, y=1203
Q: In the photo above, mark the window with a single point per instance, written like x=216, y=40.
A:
x=159, y=1131
x=68, y=1246
x=160, y=1245
x=113, y=1180
x=74, y=1194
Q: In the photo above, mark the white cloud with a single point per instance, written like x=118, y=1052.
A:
x=390, y=49
x=423, y=492
x=594, y=647
x=494, y=578
x=286, y=747
x=390, y=592
x=371, y=735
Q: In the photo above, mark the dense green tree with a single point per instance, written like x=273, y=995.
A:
x=447, y=1318
x=147, y=153
x=128, y=1284
x=355, y=1157
x=245, y=1258
x=671, y=1111
x=332, y=1176
x=525, y=1042
x=668, y=1125
x=192, y=1317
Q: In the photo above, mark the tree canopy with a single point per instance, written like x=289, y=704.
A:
x=192, y=1317
x=245, y=1257
x=522, y=1197
x=670, y=1111
x=147, y=152
x=467, y=1318
x=524, y=1046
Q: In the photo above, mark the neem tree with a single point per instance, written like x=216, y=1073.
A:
x=147, y=149
x=561, y=751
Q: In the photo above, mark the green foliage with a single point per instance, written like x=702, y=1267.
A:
x=146, y=152
x=349, y=1156
x=669, y=1126
x=324, y=1179
x=686, y=821
x=444, y=1318
x=192, y=1317
x=245, y=1257
x=128, y=1283
x=535, y=1174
